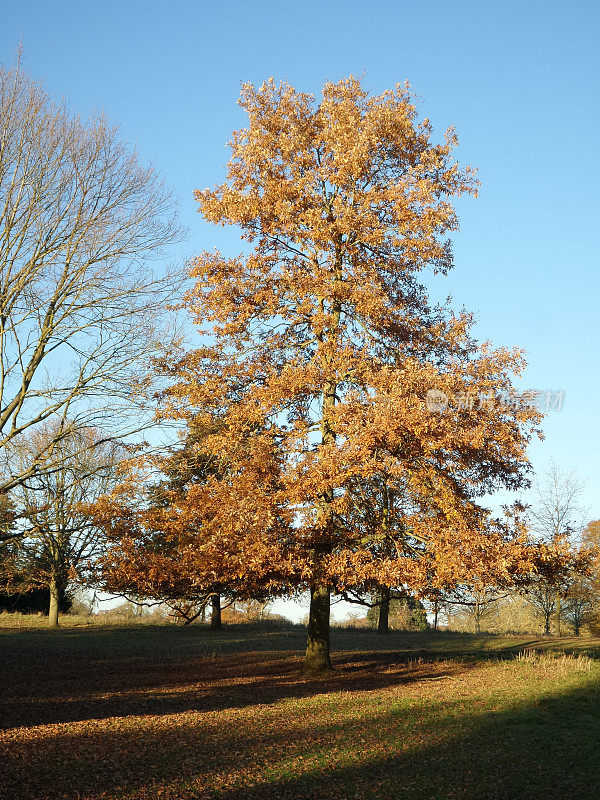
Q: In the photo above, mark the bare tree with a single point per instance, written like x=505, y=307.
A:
x=81, y=310
x=557, y=510
x=478, y=602
x=62, y=542
x=557, y=518
x=580, y=601
x=541, y=594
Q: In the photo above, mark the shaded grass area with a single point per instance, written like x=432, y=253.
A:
x=184, y=713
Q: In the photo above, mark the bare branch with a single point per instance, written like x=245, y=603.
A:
x=82, y=313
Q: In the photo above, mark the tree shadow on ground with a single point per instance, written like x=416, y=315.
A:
x=99, y=691
x=546, y=751
x=73, y=675
x=376, y=751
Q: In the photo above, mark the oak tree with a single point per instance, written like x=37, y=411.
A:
x=321, y=350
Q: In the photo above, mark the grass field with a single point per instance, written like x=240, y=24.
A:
x=181, y=713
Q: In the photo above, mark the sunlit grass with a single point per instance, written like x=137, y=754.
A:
x=139, y=714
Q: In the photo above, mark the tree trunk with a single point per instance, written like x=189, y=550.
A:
x=383, y=623
x=215, y=612
x=547, y=624
x=317, y=658
x=477, y=617
x=557, y=613
x=54, y=600
x=435, y=615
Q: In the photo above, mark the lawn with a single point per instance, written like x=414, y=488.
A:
x=177, y=713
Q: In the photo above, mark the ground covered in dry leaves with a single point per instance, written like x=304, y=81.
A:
x=178, y=713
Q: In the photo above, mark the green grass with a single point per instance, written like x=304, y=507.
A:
x=180, y=713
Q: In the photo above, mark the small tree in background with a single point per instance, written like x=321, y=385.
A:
x=403, y=614
x=556, y=517
x=541, y=594
x=478, y=604
x=582, y=593
x=580, y=601
x=62, y=542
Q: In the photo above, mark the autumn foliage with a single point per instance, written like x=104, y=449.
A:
x=320, y=348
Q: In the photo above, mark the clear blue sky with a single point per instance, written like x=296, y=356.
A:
x=519, y=80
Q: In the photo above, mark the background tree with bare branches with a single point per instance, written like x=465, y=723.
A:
x=557, y=518
x=62, y=542
x=81, y=309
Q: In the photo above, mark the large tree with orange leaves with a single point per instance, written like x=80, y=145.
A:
x=323, y=350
